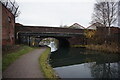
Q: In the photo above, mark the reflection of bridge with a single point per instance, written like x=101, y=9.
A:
x=62, y=34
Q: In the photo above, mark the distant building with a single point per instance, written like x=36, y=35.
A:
x=77, y=26
x=8, y=24
x=18, y=24
x=94, y=26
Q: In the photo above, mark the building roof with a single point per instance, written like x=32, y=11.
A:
x=94, y=25
x=76, y=25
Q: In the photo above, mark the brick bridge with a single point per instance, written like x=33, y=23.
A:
x=66, y=36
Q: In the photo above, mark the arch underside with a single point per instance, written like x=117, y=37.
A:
x=64, y=39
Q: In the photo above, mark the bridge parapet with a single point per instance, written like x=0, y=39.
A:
x=48, y=29
x=51, y=34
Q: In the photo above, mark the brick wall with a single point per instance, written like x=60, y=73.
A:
x=0, y=24
x=46, y=29
x=8, y=23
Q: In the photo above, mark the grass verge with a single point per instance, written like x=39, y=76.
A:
x=104, y=48
x=47, y=70
x=78, y=46
x=11, y=57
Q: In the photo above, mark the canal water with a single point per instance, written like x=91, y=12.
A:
x=83, y=63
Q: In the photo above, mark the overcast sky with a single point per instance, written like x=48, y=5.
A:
x=55, y=12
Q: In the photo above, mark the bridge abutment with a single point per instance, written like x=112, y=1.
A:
x=63, y=42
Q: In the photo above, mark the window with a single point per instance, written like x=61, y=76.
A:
x=9, y=19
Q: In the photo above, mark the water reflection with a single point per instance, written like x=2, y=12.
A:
x=82, y=63
x=53, y=46
x=105, y=70
x=50, y=42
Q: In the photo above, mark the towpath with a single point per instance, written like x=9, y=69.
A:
x=27, y=66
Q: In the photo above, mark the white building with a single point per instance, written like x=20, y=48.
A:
x=94, y=26
x=77, y=26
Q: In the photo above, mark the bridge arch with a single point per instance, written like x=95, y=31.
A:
x=34, y=41
x=66, y=36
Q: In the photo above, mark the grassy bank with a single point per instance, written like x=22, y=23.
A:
x=78, y=45
x=105, y=48
x=7, y=49
x=11, y=57
x=47, y=70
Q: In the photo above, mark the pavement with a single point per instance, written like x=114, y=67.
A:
x=27, y=66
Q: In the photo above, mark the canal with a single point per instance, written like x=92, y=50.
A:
x=84, y=63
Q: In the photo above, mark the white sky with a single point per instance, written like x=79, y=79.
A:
x=55, y=12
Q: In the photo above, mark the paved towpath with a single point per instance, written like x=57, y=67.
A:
x=27, y=66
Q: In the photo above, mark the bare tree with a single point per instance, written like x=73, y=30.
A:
x=111, y=13
x=99, y=14
x=12, y=6
x=105, y=12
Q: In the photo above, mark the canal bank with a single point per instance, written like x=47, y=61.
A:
x=104, y=48
x=45, y=67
